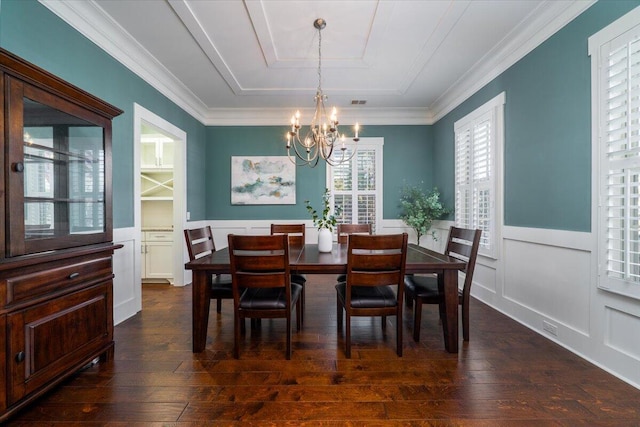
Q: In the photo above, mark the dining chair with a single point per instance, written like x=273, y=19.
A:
x=344, y=230
x=375, y=266
x=463, y=245
x=296, y=235
x=343, y=237
x=200, y=243
x=262, y=286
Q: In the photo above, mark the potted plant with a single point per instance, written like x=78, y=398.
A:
x=419, y=209
x=325, y=222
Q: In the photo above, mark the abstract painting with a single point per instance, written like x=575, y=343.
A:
x=266, y=180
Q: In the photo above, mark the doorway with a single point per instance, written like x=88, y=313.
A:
x=159, y=195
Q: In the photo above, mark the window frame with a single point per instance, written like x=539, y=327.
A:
x=377, y=144
x=626, y=28
x=492, y=110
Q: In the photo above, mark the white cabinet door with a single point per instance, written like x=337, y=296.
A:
x=158, y=259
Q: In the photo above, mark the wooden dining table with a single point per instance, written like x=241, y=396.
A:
x=308, y=260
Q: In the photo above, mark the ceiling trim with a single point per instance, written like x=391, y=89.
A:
x=454, y=12
x=348, y=117
x=548, y=18
x=194, y=27
x=92, y=22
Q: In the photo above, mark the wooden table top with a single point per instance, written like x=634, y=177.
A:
x=308, y=260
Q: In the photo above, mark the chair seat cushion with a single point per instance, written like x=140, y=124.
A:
x=298, y=278
x=221, y=281
x=368, y=296
x=269, y=298
x=425, y=287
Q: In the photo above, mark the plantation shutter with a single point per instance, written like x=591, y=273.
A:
x=475, y=176
x=356, y=186
x=482, y=180
x=463, y=206
x=619, y=153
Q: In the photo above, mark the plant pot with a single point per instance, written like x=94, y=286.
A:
x=325, y=240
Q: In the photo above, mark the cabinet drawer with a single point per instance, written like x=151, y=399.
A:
x=42, y=282
x=158, y=236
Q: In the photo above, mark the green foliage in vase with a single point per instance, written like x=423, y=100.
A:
x=327, y=220
x=419, y=209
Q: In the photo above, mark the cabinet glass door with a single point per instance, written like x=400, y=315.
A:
x=57, y=175
x=63, y=174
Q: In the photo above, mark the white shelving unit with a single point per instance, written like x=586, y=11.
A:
x=156, y=193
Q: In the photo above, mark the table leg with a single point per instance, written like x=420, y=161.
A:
x=449, y=285
x=201, y=300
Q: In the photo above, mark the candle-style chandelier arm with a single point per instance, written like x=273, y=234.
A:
x=323, y=136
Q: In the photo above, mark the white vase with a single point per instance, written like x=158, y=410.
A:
x=325, y=240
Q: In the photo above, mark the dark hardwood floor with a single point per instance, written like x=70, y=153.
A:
x=505, y=376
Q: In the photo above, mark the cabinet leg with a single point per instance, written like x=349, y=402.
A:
x=108, y=354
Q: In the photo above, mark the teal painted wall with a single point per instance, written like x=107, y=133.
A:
x=547, y=141
x=547, y=155
x=53, y=45
x=407, y=158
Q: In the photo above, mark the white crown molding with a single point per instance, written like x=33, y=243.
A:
x=545, y=21
x=91, y=21
x=269, y=116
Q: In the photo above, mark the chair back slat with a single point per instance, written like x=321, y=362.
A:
x=199, y=242
x=262, y=280
x=295, y=232
x=374, y=260
x=375, y=278
x=463, y=244
x=344, y=230
x=462, y=234
x=259, y=261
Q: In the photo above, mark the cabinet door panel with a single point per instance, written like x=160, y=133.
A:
x=159, y=260
x=48, y=339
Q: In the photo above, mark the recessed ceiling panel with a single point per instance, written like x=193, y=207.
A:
x=263, y=54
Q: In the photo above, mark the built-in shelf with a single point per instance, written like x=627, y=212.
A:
x=156, y=185
x=154, y=198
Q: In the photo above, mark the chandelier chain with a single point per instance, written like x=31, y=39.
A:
x=319, y=60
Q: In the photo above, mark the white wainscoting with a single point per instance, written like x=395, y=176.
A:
x=546, y=281
x=127, y=298
x=222, y=228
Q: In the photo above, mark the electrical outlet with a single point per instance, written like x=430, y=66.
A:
x=188, y=215
x=550, y=328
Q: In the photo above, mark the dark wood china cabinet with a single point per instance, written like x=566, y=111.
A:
x=56, y=270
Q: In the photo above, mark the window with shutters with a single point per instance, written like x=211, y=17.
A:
x=356, y=185
x=615, y=65
x=478, y=147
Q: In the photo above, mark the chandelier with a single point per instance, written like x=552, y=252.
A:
x=323, y=137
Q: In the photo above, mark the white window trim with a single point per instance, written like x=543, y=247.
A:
x=599, y=255
x=377, y=144
x=495, y=106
